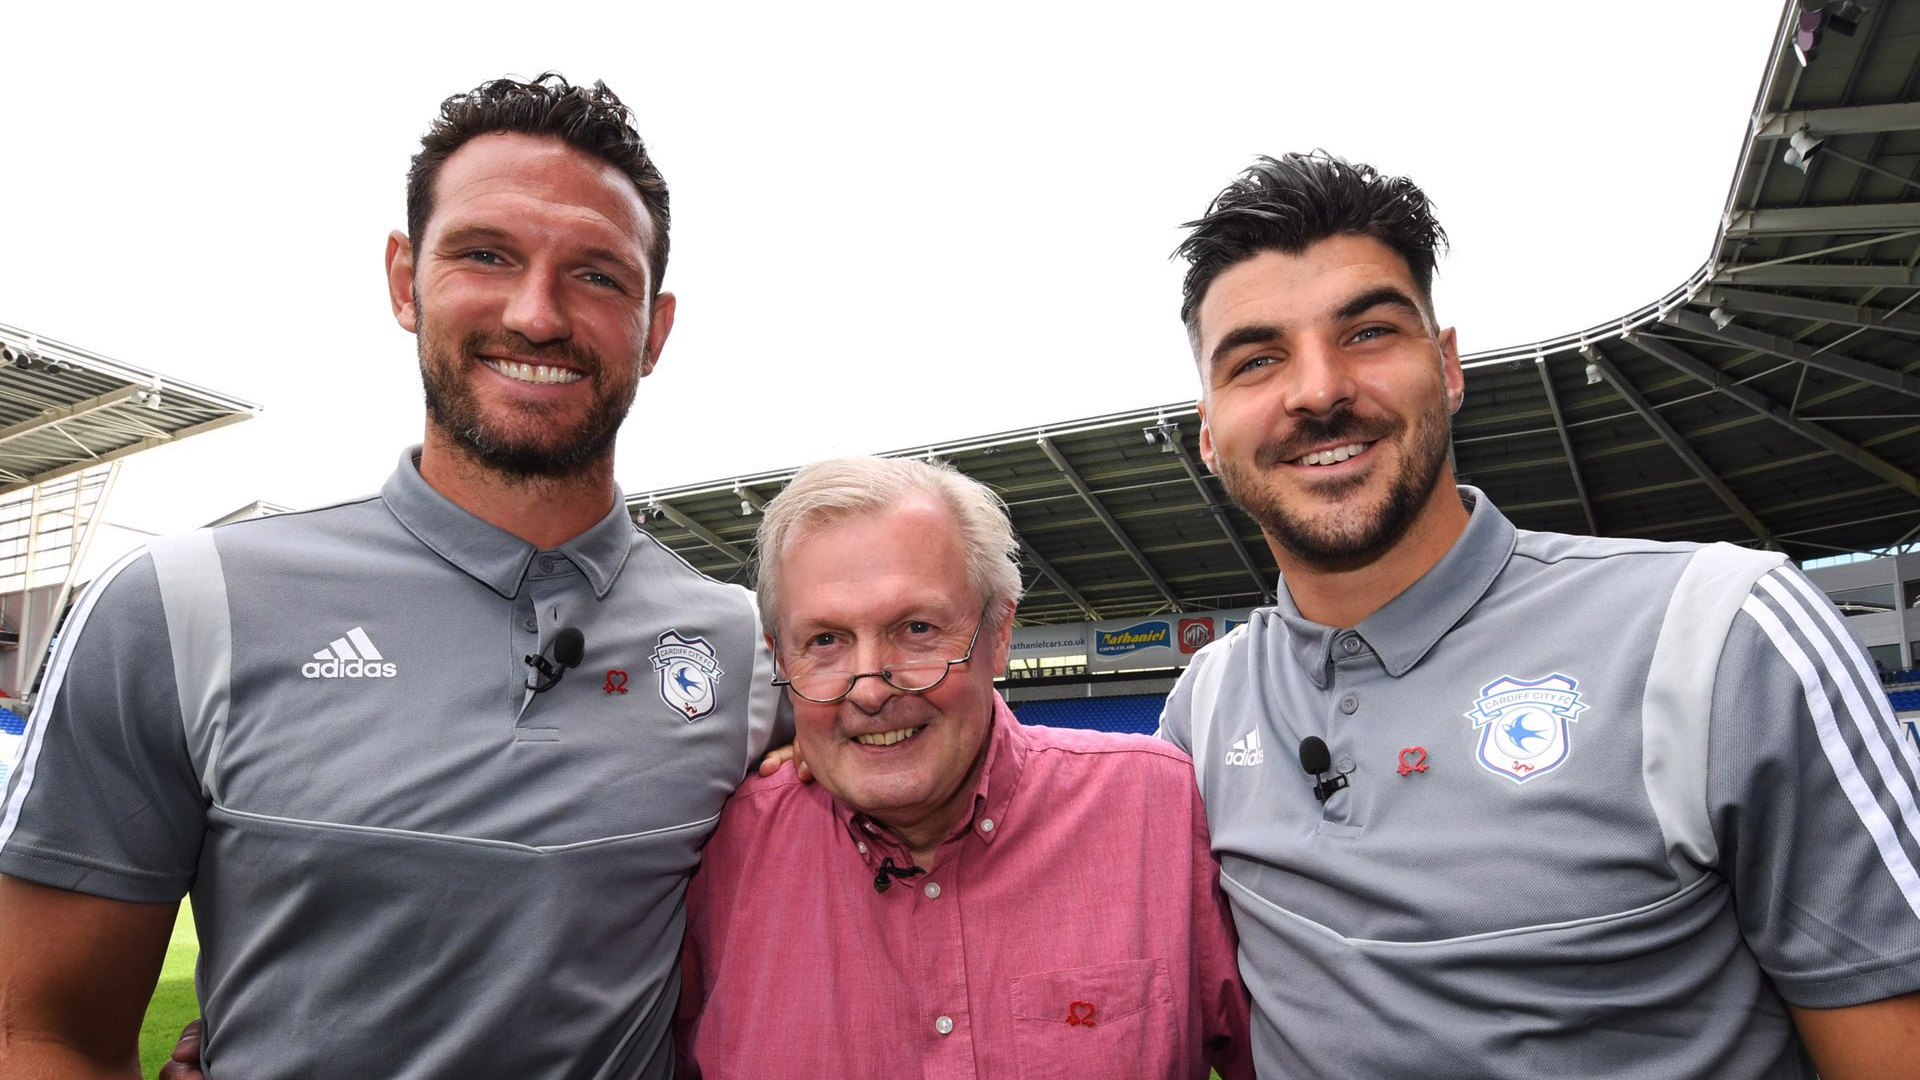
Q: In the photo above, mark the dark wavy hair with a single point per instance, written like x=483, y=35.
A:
x=588, y=118
x=1288, y=204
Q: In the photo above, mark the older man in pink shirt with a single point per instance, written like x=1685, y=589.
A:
x=958, y=895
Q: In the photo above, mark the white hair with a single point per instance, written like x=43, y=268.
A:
x=827, y=492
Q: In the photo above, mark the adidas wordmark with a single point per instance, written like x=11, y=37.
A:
x=1246, y=750
x=350, y=657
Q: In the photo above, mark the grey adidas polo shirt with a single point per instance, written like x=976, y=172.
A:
x=1612, y=803
x=403, y=863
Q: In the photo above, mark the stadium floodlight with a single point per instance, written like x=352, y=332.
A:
x=1593, y=374
x=1841, y=16
x=1720, y=316
x=1801, y=146
x=1162, y=435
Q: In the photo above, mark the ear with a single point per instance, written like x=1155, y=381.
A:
x=1455, y=378
x=657, y=331
x=1206, y=437
x=1002, y=643
x=400, y=281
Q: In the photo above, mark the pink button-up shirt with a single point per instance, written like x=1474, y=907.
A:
x=1071, y=926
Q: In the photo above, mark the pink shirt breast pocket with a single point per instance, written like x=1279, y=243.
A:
x=1101, y=1021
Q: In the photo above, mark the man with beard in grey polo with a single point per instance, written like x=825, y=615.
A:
x=1583, y=807
x=418, y=844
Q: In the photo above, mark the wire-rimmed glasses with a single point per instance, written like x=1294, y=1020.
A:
x=907, y=676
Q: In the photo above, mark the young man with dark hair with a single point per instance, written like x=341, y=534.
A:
x=1612, y=807
x=415, y=848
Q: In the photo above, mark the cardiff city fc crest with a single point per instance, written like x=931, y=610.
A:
x=1523, y=724
x=688, y=669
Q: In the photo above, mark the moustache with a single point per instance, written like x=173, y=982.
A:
x=565, y=354
x=1340, y=426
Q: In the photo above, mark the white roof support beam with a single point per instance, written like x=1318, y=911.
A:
x=1566, y=444
x=1672, y=355
x=1824, y=220
x=1799, y=307
x=1086, y=494
x=1817, y=275
x=55, y=415
x=1672, y=437
x=1829, y=360
x=1219, y=513
x=1046, y=569
x=1854, y=120
x=711, y=538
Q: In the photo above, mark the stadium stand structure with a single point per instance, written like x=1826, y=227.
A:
x=1771, y=399
x=68, y=417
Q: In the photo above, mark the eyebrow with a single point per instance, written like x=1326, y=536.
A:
x=1261, y=333
x=1385, y=295
x=1252, y=334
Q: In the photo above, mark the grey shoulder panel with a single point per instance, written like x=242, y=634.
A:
x=193, y=590
x=1679, y=696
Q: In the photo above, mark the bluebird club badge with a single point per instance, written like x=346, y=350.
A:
x=1523, y=724
x=688, y=669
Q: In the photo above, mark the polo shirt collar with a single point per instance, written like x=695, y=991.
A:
x=1407, y=627
x=491, y=555
x=999, y=779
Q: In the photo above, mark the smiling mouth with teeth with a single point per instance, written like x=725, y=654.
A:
x=888, y=738
x=533, y=373
x=1333, y=456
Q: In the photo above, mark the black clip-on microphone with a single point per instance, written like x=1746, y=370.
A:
x=568, y=646
x=1318, y=760
x=884, y=879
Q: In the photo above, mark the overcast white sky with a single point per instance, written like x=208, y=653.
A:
x=894, y=224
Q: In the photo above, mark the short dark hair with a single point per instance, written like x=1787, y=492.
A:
x=1292, y=202
x=589, y=119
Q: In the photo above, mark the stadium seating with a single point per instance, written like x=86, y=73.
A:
x=1135, y=712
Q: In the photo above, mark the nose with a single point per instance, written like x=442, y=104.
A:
x=536, y=309
x=871, y=692
x=1320, y=380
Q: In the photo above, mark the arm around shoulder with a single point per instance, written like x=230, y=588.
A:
x=76, y=973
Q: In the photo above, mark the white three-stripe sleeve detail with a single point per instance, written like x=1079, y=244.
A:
x=50, y=688
x=1834, y=746
x=1867, y=707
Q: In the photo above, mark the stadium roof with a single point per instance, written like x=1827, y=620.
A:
x=64, y=409
x=1772, y=399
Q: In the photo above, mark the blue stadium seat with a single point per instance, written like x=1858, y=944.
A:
x=12, y=723
x=1903, y=700
x=1135, y=712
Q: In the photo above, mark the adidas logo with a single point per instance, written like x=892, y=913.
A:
x=1246, y=751
x=350, y=657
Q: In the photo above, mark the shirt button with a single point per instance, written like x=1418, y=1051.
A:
x=546, y=563
x=986, y=824
x=944, y=1025
x=532, y=626
x=1351, y=645
x=1348, y=704
x=933, y=893
x=863, y=847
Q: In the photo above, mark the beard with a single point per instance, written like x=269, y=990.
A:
x=1345, y=536
x=529, y=444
